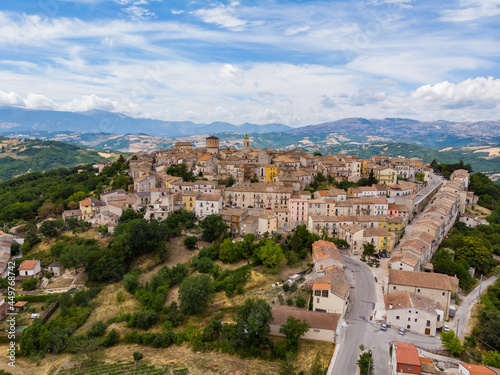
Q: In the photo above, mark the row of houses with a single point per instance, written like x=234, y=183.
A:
x=415, y=298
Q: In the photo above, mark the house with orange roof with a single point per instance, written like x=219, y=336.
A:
x=325, y=255
x=29, y=268
x=467, y=369
x=405, y=359
x=331, y=291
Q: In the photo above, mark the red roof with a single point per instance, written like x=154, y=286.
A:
x=28, y=265
x=406, y=354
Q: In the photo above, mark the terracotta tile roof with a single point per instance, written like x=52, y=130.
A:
x=406, y=354
x=405, y=300
x=420, y=279
x=317, y=320
x=27, y=265
x=406, y=258
x=210, y=197
x=478, y=369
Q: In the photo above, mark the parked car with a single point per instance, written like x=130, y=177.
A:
x=377, y=255
x=383, y=327
x=401, y=331
x=446, y=328
x=35, y=315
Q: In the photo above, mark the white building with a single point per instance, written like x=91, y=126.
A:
x=29, y=268
x=413, y=312
x=208, y=204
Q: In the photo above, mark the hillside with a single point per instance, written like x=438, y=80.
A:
x=484, y=158
x=19, y=156
x=96, y=121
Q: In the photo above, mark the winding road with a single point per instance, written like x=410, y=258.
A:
x=361, y=330
x=463, y=311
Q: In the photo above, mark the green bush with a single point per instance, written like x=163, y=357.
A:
x=190, y=242
x=289, y=301
x=138, y=356
x=300, y=302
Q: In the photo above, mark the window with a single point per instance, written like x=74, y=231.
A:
x=408, y=326
x=428, y=324
x=443, y=293
x=409, y=319
x=393, y=288
x=397, y=317
x=409, y=367
x=317, y=300
x=324, y=293
x=415, y=320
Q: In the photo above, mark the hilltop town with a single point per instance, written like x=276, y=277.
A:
x=357, y=237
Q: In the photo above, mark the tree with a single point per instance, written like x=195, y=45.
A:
x=371, y=179
x=365, y=363
x=195, y=293
x=252, y=322
x=205, y=265
x=270, y=254
x=120, y=182
x=451, y=342
x=29, y=284
x=492, y=359
x=228, y=252
x=49, y=228
x=368, y=250
x=15, y=248
x=190, y=242
x=421, y=176
x=476, y=252
x=293, y=331
x=120, y=159
x=138, y=356
x=213, y=228
x=229, y=181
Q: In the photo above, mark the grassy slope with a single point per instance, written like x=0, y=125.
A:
x=22, y=156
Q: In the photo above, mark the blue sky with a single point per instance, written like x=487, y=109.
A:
x=294, y=62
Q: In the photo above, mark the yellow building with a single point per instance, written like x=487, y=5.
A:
x=393, y=224
x=268, y=172
x=90, y=207
x=189, y=200
x=385, y=176
x=379, y=237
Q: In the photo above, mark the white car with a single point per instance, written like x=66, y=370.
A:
x=35, y=315
x=446, y=328
x=401, y=331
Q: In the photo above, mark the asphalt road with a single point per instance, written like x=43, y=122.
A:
x=436, y=180
x=463, y=311
x=360, y=330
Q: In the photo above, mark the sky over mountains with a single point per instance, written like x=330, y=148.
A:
x=293, y=62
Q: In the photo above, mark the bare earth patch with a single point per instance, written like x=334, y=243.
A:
x=107, y=305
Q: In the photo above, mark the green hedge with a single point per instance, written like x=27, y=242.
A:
x=35, y=298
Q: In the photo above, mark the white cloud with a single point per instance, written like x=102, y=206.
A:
x=479, y=92
x=296, y=30
x=139, y=13
x=222, y=16
x=471, y=10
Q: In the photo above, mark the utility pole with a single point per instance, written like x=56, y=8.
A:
x=479, y=295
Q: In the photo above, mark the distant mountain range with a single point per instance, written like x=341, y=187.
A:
x=97, y=121
x=474, y=142
x=435, y=134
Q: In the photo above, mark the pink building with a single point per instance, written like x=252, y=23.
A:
x=393, y=210
x=299, y=209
